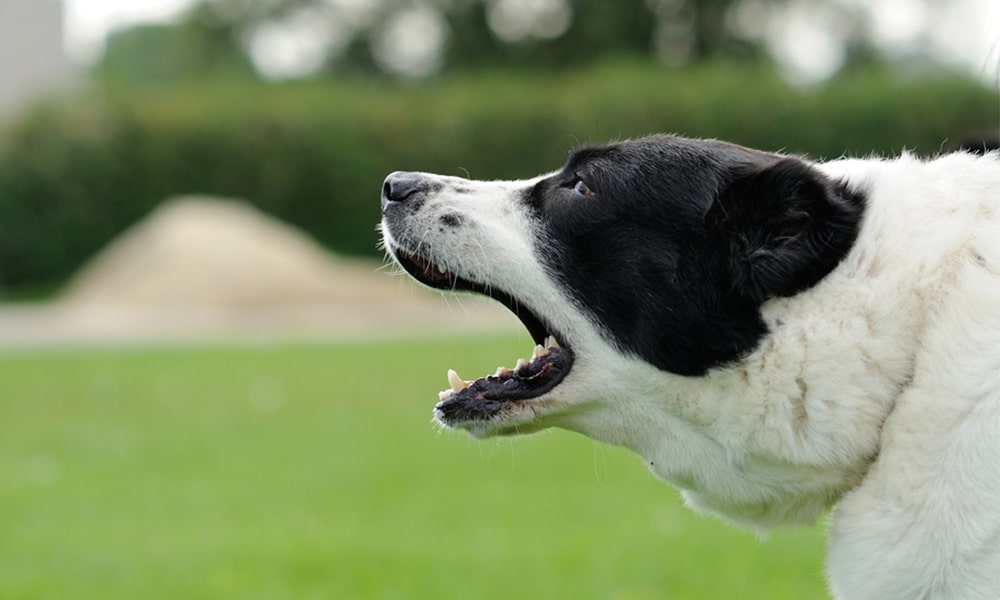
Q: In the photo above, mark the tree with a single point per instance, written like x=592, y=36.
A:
x=417, y=38
x=478, y=33
x=201, y=45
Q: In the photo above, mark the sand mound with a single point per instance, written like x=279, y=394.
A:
x=201, y=268
x=206, y=252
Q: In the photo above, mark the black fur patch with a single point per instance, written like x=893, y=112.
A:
x=452, y=220
x=681, y=241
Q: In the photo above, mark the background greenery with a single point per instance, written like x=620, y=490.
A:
x=75, y=172
x=314, y=472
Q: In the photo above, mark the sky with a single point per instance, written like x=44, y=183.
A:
x=806, y=39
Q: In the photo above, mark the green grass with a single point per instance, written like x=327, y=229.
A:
x=314, y=472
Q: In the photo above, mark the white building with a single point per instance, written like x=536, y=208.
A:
x=32, y=53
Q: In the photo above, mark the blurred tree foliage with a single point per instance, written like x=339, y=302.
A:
x=596, y=29
x=74, y=173
x=166, y=54
x=222, y=31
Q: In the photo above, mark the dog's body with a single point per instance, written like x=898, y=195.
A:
x=772, y=336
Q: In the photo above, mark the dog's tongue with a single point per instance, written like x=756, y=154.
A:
x=483, y=398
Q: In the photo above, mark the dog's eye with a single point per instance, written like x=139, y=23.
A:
x=582, y=188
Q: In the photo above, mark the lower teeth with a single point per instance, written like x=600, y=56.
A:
x=457, y=384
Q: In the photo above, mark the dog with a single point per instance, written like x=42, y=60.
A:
x=774, y=336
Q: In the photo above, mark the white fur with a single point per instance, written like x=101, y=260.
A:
x=878, y=388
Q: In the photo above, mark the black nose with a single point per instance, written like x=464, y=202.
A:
x=399, y=186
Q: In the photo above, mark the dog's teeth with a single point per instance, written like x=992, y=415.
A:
x=521, y=363
x=538, y=351
x=441, y=269
x=500, y=371
x=444, y=395
x=550, y=342
x=456, y=382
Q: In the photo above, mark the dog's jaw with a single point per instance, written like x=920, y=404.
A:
x=444, y=232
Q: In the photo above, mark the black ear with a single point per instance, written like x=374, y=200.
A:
x=783, y=228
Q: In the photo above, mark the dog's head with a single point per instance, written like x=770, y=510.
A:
x=651, y=255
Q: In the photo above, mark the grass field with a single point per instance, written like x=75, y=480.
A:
x=314, y=472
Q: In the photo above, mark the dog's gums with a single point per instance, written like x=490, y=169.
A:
x=484, y=398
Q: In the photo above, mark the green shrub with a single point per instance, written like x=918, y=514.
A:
x=76, y=171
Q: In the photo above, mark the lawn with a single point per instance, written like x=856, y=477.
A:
x=315, y=472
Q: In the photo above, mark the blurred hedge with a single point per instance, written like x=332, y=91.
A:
x=75, y=172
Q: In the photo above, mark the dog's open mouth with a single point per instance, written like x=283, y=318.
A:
x=485, y=398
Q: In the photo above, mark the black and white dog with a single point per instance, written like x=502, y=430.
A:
x=773, y=336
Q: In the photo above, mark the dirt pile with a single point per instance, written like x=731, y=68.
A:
x=206, y=268
x=210, y=253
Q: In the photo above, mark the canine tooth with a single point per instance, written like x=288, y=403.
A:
x=550, y=342
x=538, y=351
x=441, y=269
x=444, y=395
x=455, y=381
x=521, y=363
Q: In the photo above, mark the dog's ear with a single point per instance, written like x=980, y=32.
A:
x=784, y=227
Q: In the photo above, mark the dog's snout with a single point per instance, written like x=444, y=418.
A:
x=400, y=186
